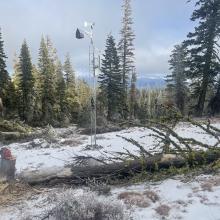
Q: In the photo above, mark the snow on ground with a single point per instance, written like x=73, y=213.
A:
x=49, y=155
x=198, y=199
x=169, y=199
x=41, y=154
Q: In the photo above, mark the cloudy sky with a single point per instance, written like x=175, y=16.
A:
x=158, y=25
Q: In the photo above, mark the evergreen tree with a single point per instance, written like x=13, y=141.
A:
x=132, y=101
x=4, y=77
x=214, y=103
x=25, y=84
x=16, y=72
x=69, y=72
x=110, y=78
x=176, y=82
x=38, y=94
x=202, y=47
x=5, y=82
x=149, y=104
x=84, y=93
x=60, y=92
x=142, y=110
x=46, y=69
x=71, y=96
x=15, y=83
x=52, y=53
x=126, y=51
x=84, y=96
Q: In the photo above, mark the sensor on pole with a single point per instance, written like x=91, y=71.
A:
x=80, y=35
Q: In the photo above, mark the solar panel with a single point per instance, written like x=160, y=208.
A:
x=79, y=34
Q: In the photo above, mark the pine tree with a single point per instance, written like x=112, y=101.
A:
x=176, y=82
x=15, y=79
x=202, y=47
x=71, y=96
x=38, y=94
x=52, y=53
x=25, y=85
x=4, y=76
x=143, y=110
x=60, y=92
x=110, y=78
x=69, y=72
x=46, y=69
x=132, y=101
x=84, y=94
x=16, y=72
x=214, y=104
x=126, y=51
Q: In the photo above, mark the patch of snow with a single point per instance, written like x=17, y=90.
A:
x=43, y=154
x=186, y=200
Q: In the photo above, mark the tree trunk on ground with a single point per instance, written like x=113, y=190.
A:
x=121, y=170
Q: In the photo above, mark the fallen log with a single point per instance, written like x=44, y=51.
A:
x=120, y=170
x=4, y=136
x=8, y=137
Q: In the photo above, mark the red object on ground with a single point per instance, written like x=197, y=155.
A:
x=6, y=154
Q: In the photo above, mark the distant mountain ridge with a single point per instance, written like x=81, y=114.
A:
x=151, y=82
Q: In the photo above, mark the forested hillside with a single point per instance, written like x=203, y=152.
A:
x=48, y=92
x=108, y=146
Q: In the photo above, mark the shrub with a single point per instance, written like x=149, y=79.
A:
x=134, y=198
x=100, y=188
x=207, y=186
x=163, y=210
x=152, y=195
x=88, y=206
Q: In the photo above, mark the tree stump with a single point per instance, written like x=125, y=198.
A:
x=7, y=169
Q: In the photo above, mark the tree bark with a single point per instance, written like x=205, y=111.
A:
x=120, y=170
x=202, y=96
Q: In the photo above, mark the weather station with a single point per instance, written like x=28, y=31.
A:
x=94, y=69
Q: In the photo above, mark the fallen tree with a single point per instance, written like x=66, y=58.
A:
x=120, y=170
x=176, y=152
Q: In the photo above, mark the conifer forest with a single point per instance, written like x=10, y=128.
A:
x=116, y=119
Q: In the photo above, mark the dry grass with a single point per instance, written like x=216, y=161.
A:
x=195, y=189
x=125, y=195
x=88, y=207
x=152, y=195
x=207, y=186
x=99, y=188
x=216, y=181
x=163, y=210
x=141, y=200
x=10, y=193
x=134, y=198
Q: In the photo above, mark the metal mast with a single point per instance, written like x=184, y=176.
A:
x=92, y=67
x=93, y=98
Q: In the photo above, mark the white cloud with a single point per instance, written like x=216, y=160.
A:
x=153, y=60
x=158, y=25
